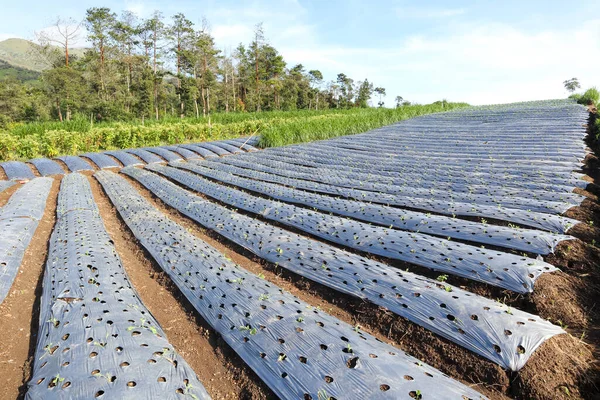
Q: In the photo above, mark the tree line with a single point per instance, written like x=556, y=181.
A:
x=159, y=67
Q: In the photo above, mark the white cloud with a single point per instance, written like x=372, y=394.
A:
x=231, y=34
x=4, y=36
x=480, y=64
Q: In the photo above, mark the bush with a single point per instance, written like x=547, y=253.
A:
x=590, y=97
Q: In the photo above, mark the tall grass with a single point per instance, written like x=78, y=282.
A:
x=355, y=121
x=591, y=96
x=51, y=139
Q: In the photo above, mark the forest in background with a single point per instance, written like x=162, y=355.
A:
x=154, y=68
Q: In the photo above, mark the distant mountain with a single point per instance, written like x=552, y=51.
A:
x=22, y=74
x=21, y=53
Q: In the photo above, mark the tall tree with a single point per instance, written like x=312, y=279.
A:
x=62, y=33
x=316, y=78
x=181, y=31
x=99, y=23
x=156, y=30
x=571, y=85
x=365, y=91
x=256, y=49
x=381, y=92
x=399, y=100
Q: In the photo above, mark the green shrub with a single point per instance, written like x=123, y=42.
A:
x=591, y=96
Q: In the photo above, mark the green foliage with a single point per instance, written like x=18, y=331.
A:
x=591, y=96
x=344, y=122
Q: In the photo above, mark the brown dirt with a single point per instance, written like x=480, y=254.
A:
x=5, y=195
x=450, y=358
x=3, y=176
x=20, y=309
x=224, y=375
x=33, y=169
x=562, y=368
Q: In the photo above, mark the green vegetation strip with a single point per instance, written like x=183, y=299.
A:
x=52, y=139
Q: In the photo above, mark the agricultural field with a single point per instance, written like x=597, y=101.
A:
x=447, y=256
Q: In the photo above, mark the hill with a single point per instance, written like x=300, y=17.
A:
x=22, y=54
x=22, y=74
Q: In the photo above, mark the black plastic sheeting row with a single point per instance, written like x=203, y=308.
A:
x=102, y=160
x=76, y=164
x=47, y=167
x=509, y=271
x=205, y=153
x=96, y=338
x=17, y=170
x=365, y=182
x=145, y=155
x=300, y=352
x=548, y=222
x=19, y=219
x=533, y=241
x=185, y=153
x=476, y=184
x=124, y=158
x=164, y=153
x=491, y=329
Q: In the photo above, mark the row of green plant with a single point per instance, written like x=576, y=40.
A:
x=275, y=128
x=298, y=130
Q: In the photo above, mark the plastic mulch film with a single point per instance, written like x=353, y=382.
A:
x=47, y=167
x=412, y=190
x=496, y=268
x=19, y=219
x=329, y=156
x=145, y=155
x=5, y=185
x=241, y=145
x=491, y=329
x=164, y=153
x=96, y=338
x=205, y=153
x=185, y=153
x=299, y=351
x=527, y=172
x=17, y=170
x=212, y=147
x=548, y=222
x=534, y=241
x=481, y=184
x=433, y=172
x=102, y=160
x=125, y=158
x=228, y=147
x=76, y=164
x=249, y=140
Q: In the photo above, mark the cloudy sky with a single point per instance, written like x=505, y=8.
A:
x=481, y=52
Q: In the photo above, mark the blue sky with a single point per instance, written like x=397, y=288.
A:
x=481, y=52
